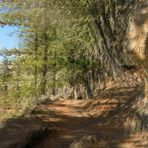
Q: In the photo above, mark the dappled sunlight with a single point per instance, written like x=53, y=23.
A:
x=99, y=117
x=79, y=78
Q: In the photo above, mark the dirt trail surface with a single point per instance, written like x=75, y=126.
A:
x=91, y=123
x=16, y=133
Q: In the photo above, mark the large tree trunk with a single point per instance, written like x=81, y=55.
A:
x=87, y=85
x=36, y=59
x=54, y=83
x=45, y=66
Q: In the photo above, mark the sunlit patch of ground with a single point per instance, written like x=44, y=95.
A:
x=100, y=122
x=138, y=140
x=103, y=117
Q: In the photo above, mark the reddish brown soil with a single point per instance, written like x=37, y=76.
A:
x=103, y=117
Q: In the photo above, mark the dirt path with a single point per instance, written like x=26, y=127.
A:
x=100, y=122
x=97, y=123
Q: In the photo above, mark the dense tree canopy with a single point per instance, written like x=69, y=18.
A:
x=69, y=45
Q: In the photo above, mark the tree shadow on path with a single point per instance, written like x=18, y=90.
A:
x=93, y=123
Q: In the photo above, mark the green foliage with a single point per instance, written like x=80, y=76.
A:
x=69, y=42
